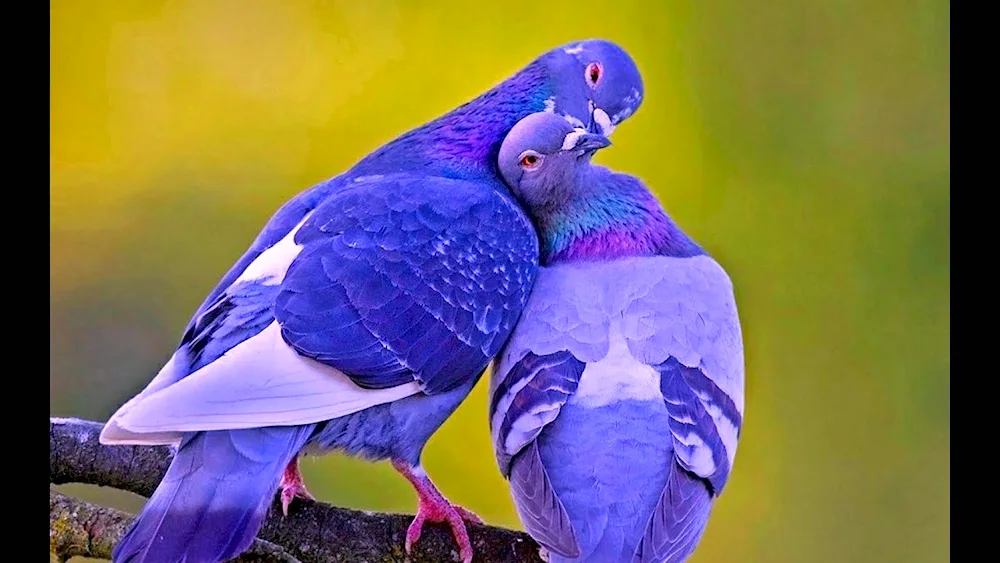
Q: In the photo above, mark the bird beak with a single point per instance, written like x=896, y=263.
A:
x=580, y=140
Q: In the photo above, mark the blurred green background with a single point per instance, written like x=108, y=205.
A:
x=805, y=144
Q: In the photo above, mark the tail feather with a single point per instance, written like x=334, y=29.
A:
x=214, y=497
x=678, y=521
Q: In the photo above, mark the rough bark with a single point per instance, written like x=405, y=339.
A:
x=312, y=532
x=79, y=528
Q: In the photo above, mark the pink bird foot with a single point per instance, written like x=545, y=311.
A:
x=434, y=507
x=292, y=485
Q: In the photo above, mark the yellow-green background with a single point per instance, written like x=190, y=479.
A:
x=805, y=144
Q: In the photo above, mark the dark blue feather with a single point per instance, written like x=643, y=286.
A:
x=277, y=227
x=687, y=391
x=237, y=314
x=678, y=521
x=538, y=505
x=404, y=277
x=551, y=379
x=536, y=383
x=214, y=497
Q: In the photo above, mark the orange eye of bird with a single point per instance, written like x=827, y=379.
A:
x=529, y=160
x=594, y=72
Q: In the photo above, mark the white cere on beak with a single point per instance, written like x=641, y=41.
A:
x=602, y=120
x=572, y=138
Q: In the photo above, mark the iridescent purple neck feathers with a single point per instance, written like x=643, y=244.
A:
x=465, y=141
x=611, y=216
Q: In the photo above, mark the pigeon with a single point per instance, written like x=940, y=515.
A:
x=358, y=320
x=616, y=405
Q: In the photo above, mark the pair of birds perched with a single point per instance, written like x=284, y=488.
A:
x=371, y=304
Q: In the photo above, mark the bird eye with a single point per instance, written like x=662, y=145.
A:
x=529, y=160
x=594, y=73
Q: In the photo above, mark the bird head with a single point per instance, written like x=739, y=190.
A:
x=543, y=156
x=596, y=84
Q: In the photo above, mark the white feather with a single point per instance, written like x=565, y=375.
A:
x=527, y=426
x=618, y=376
x=725, y=427
x=270, y=267
x=503, y=405
x=260, y=382
x=696, y=454
x=112, y=433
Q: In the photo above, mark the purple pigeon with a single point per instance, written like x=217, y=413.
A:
x=358, y=320
x=616, y=406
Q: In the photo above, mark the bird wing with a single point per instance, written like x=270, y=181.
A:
x=221, y=302
x=393, y=285
x=529, y=396
x=687, y=328
x=536, y=374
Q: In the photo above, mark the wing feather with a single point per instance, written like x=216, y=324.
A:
x=259, y=382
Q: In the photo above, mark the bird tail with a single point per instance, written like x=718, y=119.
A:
x=215, y=495
x=678, y=521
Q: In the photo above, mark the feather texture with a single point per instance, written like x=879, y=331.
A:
x=399, y=281
x=660, y=380
x=360, y=317
x=214, y=497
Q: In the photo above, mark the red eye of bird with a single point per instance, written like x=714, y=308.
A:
x=528, y=160
x=594, y=72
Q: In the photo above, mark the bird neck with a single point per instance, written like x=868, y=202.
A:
x=465, y=142
x=615, y=216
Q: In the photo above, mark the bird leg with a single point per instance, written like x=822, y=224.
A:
x=292, y=485
x=434, y=507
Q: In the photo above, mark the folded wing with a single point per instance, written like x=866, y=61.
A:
x=690, y=328
x=392, y=286
x=528, y=397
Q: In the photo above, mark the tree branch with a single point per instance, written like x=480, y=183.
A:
x=313, y=532
x=80, y=528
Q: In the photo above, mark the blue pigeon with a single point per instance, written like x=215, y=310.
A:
x=358, y=320
x=617, y=403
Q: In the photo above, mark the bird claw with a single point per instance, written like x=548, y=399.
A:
x=468, y=515
x=293, y=486
x=291, y=491
x=442, y=511
x=434, y=507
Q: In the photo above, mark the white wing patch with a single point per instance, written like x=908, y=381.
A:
x=723, y=425
x=617, y=377
x=528, y=425
x=260, y=382
x=270, y=267
x=698, y=455
x=112, y=433
x=503, y=405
